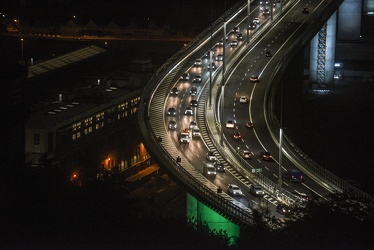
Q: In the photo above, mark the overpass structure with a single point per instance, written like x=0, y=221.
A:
x=322, y=21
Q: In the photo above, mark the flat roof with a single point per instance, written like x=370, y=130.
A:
x=64, y=60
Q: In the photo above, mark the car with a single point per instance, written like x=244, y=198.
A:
x=197, y=79
x=210, y=156
x=172, y=125
x=230, y=124
x=294, y=175
x=192, y=124
x=209, y=171
x=213, y=65
x=245, y=153
x=256, y=190
x=185, y=76
x=236, y=135
x=219, y=57
x=266, y=156
x=236, y=29
x=172, y=111
x=220, y=42
x=239, y=36
x=243, y=99
x=304, y=197
x=256, y=20
x=253, y=78
x=283, y=209
x=219, y=166
x=252, y=26
x=234, y=43
x=305, y=10
x=234, y=190
x=196, y=132
x=267, y=53
x=249, y=124
x=198, y=62
x=184, y=137
x=193, y=91
x=174, y=91
x=266, y=10
x=188, y=110
x=193, y=103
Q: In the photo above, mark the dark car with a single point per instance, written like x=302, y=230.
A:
x=305, y=10
x=249, y=124
x=213, y=65
x=219, y=166
x=283, y=209
x=267, y=53
x=294, y=175
x=239, y=36
x=266, y=156
x=253, y=78
x=193, y=103
x=174, y=91
x=252, y=26
x=236, y=136
x=236, y=29
x=193, y=91
x=172, y=111
x=197, y=79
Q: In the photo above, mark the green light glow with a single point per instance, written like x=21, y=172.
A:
x=197, y=210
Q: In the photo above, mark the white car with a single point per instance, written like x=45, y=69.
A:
x=230, y=124
x=198, y=62
x=256, y=190
x=256, y=20
x=234, y=190
x=188, y=111
x=193, y=124
x=234, y=43
x=243, y=99
x=210, y=156
x=196, y=132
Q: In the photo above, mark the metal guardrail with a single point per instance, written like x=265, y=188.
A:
x=205, y=192
x=183, y=173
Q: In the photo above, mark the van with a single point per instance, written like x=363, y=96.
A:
x=294, y=175
x=209, y=171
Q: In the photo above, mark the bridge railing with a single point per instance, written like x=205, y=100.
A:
x=183, y=173
x=313, y=169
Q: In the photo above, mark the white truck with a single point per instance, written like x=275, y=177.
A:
x=184, y=137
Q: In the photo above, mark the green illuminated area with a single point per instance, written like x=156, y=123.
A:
x=197, y=211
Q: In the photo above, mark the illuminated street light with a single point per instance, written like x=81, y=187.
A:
x=248, y=12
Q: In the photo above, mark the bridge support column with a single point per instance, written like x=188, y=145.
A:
x=349, y=20
x=198, y=211
x=322, y=53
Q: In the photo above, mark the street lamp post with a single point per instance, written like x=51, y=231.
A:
x=248, y=21
x=22, y=49
x=223, y=77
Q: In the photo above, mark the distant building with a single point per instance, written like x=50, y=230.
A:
x=91, y=127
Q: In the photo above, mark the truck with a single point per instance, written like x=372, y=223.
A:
x=184, y=137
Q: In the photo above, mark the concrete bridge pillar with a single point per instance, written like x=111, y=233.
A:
x=349, y=19
x=322, y=53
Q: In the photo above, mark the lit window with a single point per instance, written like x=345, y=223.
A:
x=74, y=137
x=97, y=126
x=85, y=131
x=89, y=129
x=79, y=135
